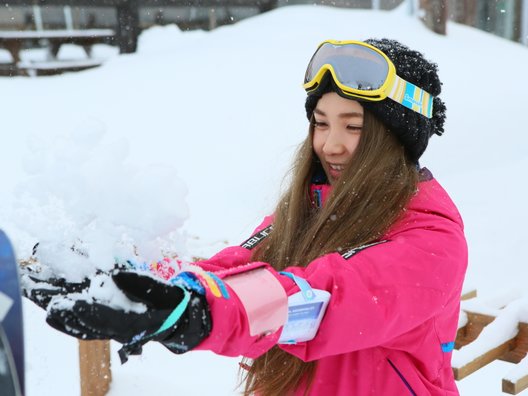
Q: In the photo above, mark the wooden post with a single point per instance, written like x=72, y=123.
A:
x=127, y=26
x=212, y=19
x=435, y=15
x=94, y=363
x=514, y=388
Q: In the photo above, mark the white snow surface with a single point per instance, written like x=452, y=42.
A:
x=519, y=371
x=185, y=145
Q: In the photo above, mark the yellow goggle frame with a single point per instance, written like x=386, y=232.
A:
x=394, y=87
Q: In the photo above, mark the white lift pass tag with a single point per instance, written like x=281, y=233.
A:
x=304, y=316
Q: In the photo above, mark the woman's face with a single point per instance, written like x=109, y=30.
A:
x=337, y=129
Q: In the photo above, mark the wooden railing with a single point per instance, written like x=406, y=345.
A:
x=497, y=334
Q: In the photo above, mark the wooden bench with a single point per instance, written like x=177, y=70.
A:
x=13, y=42
x=493, y=335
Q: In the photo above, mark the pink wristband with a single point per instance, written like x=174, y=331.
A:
x=263, y=298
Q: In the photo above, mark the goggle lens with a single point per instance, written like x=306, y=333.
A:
x=356, y=66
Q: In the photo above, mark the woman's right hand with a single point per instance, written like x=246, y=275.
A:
x=39, y=284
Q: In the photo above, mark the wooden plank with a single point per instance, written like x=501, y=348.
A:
x=94, y=364
x=514, y=388
x=468, y=295
x=56, y=67
x=481, y=361
x=56, y=33
x=520, y=349
x=61, y=64
x=470, y=332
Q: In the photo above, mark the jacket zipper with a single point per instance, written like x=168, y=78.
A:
x=402, y=378
x=318, y=198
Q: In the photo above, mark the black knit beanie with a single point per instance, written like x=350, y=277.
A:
x=411, y=128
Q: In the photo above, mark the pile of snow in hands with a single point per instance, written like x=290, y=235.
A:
x=88, y=208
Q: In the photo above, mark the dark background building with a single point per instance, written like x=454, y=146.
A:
x=128, y=17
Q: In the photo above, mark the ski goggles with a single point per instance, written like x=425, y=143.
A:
x=364, y=72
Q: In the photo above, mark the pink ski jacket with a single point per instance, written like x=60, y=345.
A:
x=391, y=322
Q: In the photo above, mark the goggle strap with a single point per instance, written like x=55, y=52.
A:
x=412, y=97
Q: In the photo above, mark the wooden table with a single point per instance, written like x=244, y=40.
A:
x=13, y=40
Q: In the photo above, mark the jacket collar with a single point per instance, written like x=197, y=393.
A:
x=320, y=188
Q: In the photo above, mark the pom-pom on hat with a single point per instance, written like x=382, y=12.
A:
x=411, y=128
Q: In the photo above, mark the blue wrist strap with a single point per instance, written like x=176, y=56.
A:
x=142, y=338
x=305, y=287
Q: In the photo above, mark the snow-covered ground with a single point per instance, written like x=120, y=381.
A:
x=225, y=110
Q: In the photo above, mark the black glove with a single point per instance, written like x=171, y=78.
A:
x=40, y=285
x=169, y=317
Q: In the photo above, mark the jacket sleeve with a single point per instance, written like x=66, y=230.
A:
x=379, y=293
x=233, y=256
x=385, y=290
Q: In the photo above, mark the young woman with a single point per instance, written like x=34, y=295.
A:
x=352, y=286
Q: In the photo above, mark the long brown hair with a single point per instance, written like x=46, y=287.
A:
x=366, y=200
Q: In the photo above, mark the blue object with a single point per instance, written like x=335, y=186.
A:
x=448, y=346
x=11, y=325
x=188, y=280
x=305, y=287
